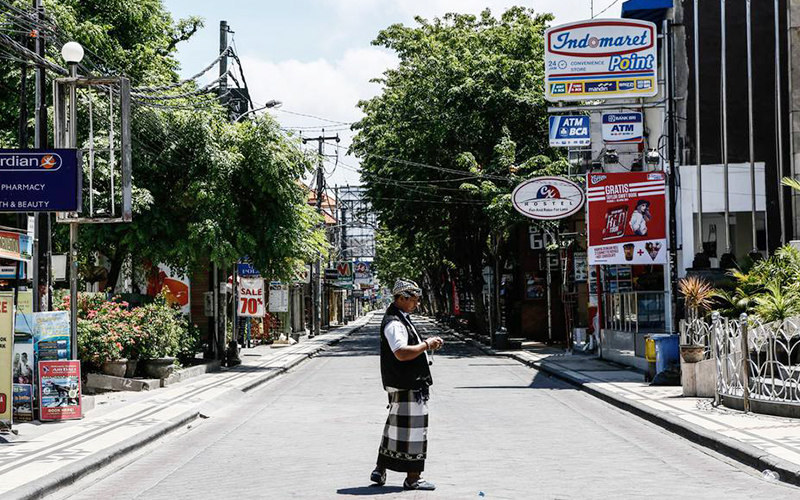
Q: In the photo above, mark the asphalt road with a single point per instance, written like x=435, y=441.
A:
x=499, y=430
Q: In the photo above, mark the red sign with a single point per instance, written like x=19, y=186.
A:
x=59, y=390
x=627, y=218
x=3, y=399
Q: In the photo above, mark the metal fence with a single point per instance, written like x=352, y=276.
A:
x=754, y=360
x=635, y=311
x=697, y=332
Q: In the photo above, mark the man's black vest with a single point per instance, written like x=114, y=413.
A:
x=413, y=374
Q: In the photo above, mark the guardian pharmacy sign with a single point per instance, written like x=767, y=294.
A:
x=600, y=59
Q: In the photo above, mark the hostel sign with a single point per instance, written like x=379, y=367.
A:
x=600, y=59
x=44, y=180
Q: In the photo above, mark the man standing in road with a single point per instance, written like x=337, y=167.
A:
x=406, y=376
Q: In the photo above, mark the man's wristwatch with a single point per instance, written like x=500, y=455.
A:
x=427, y=345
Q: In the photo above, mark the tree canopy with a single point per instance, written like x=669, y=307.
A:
x=204, y=188
x=459, y=123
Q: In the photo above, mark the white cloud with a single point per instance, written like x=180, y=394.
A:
x=564, y=10
x=327, y=89
x=331, y=88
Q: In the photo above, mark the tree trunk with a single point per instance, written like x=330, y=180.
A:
x=116, y=267
x=476, y=289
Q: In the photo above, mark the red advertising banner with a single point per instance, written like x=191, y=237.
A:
x=627, y=218
x=59, y=390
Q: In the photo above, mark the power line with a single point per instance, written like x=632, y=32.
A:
x=604, y=10
x=282, y=110
x=433, y=167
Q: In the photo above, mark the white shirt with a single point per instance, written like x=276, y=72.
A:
x=638, y=223
x=397, y=335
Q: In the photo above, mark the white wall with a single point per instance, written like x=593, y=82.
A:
x=714, y=206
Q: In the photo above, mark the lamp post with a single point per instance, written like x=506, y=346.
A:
x=72, y=52
x=270, y=104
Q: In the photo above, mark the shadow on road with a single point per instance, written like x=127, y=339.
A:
x=363, y=491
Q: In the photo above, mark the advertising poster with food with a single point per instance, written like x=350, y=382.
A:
x=60, y=390
x=627, y=218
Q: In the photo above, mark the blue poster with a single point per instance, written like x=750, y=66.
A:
x=570, y=131
x=43, y=180
x=50, y=334
x=246, y=270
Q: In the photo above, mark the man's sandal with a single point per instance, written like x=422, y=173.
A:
x=419, y=484
x=378, y=477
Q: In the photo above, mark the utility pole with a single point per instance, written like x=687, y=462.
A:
x=316, y=277
x=220, y=309
x=224, y=29
x=40, y=272
x=672, y=265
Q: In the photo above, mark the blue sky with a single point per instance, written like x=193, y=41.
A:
x=315, y=55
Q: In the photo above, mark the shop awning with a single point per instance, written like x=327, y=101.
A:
x=647, y=10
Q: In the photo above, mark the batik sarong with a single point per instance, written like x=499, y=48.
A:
x=405, y=436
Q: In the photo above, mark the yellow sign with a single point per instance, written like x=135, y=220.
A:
x=25, y=301
x=6, y=353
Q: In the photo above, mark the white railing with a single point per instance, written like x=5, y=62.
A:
x=765, y=355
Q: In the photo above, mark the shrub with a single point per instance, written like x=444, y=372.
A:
x=188, y=343
x=97, y=345
x=161, y=327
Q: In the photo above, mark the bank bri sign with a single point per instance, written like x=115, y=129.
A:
x=43, y=180
x=600, y=59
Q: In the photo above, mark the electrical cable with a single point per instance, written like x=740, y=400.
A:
x=433, y=167
x=282, y=110
x=604, y=10
x=186, y=80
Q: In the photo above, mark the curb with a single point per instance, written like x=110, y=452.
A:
x=741, y=452
x=74, y=472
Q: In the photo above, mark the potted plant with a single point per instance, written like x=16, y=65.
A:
x=100, y=349
x=697, y=296
x=160, y=328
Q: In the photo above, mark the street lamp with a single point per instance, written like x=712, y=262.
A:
x=270, y=104
x=72, y=52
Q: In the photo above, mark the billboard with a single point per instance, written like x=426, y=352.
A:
x=548, y=198
x=600, y=59
x=623, y=128
x=566, y=131
x=44, y=180
x=627, y=218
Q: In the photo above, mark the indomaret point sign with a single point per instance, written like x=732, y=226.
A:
x=600, y=59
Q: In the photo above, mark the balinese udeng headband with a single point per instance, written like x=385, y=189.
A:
x=406, y=288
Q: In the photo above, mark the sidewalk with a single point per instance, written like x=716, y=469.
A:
x=759, y=441
x=46, y=457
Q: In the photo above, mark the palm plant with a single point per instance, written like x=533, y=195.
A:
x=778, y=303
x=697, y=295
x=735, y=303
